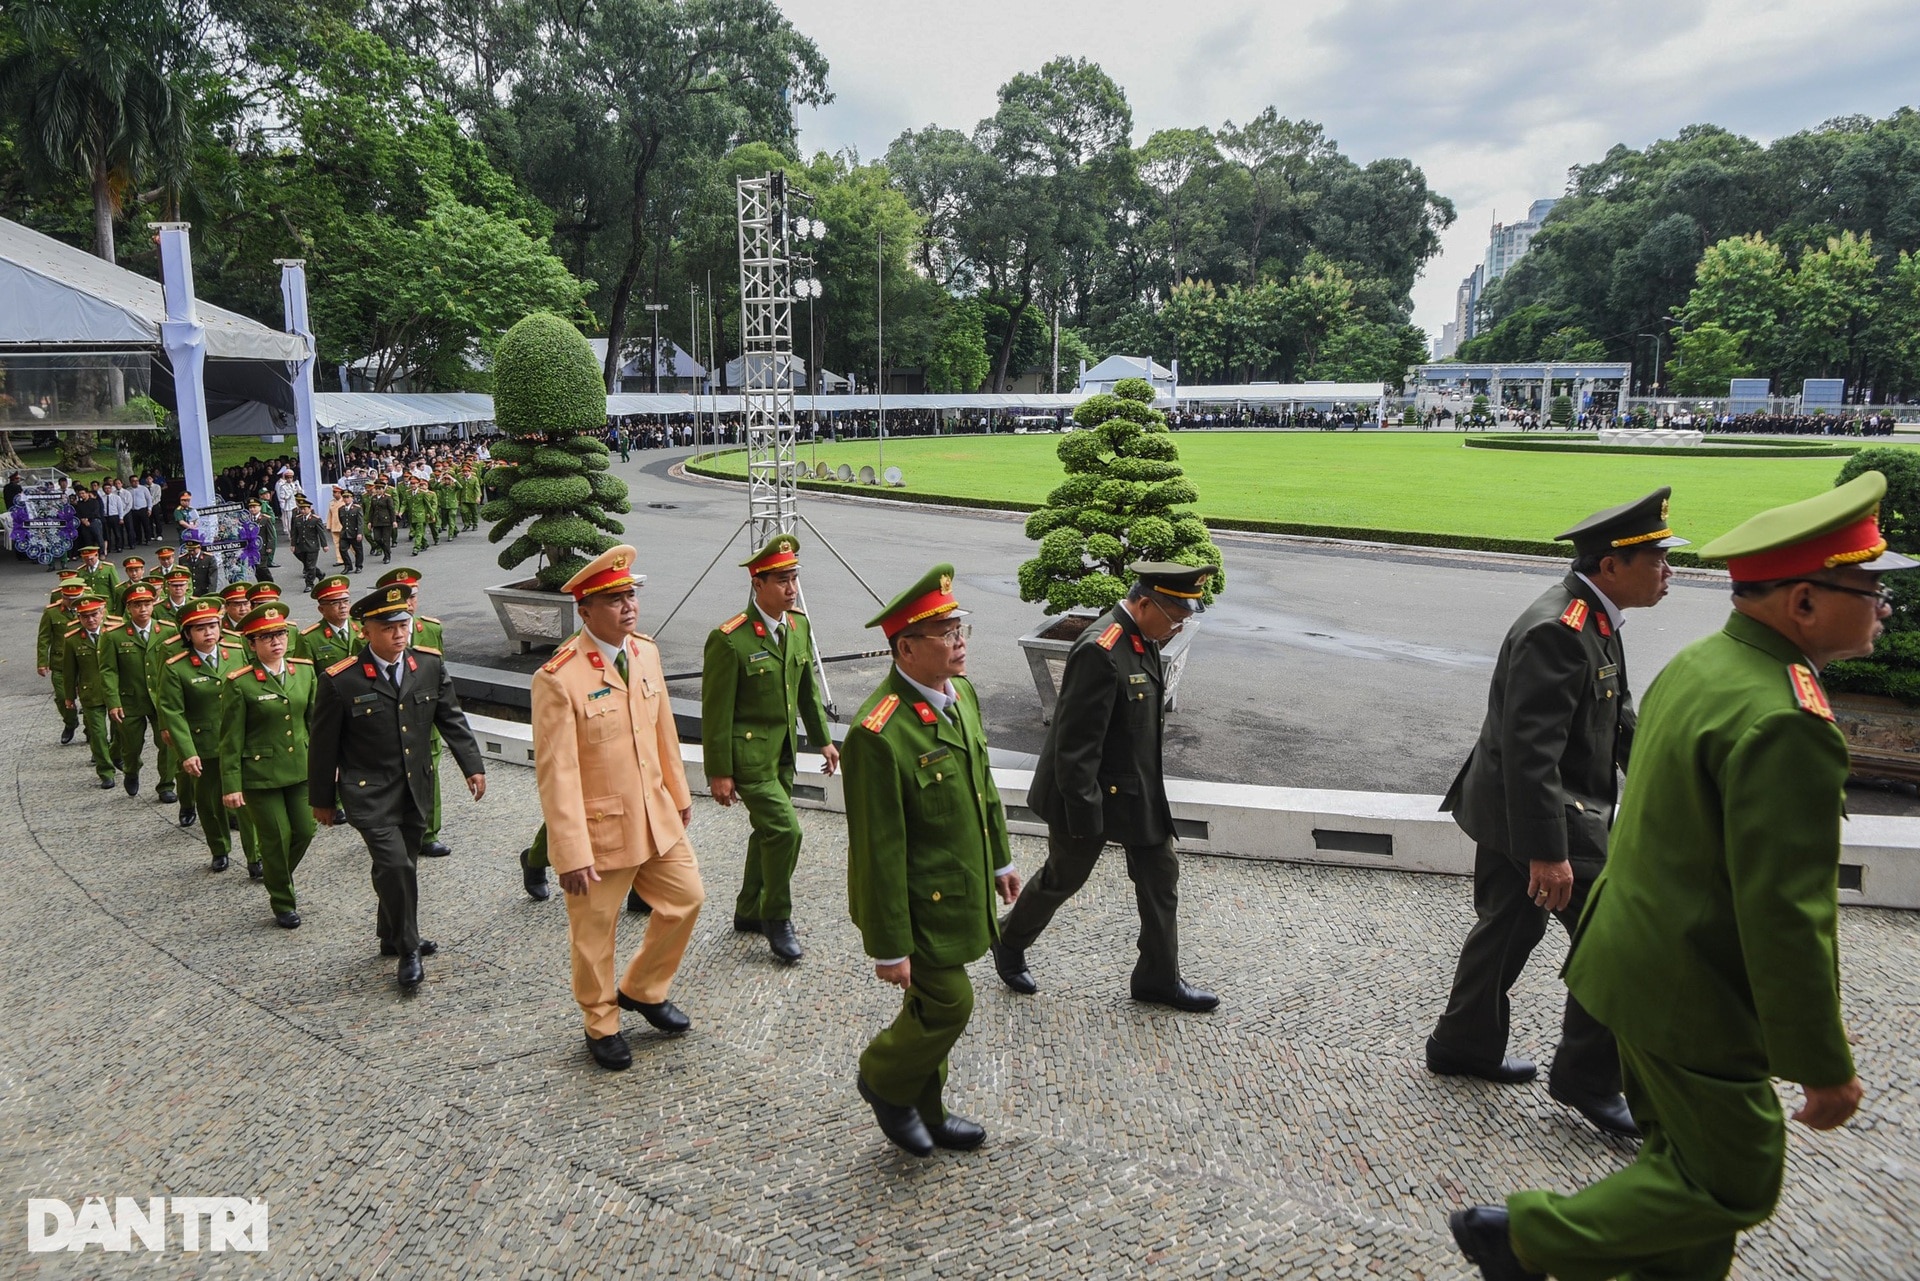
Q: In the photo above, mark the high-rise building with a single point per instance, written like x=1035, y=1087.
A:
x=1466, y=300
x=1508, y=243
x=1448, y=342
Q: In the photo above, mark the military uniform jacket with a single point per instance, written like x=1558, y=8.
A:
x=54, y=622
x=101, y=580
x=263, y=726
x=204, y=569
x=118, y=601
x=1710, y=938
x=188, y=695
x=752, y=691
x=307, y=535
x=370, y=746
x=352, y=521
x=380, y=512
x=607, y=757
x=1541, y=782
x=81, y=661
x=166, y=611
x=319, y=644
x=1100, y=769
x=127, y=669
x=428, y=635
x=926, y=830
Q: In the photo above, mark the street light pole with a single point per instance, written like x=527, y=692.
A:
x=656, y=308
x=880, y=344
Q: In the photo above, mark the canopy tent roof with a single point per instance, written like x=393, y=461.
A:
x=52, y=294
x=389, y=411
x=1114, y=368
x=674, y=360
x=1281, y=393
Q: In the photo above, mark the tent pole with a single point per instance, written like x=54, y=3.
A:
x=293, y=291
x=186, y=344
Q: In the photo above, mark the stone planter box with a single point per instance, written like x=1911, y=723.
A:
x=1046, y=648
x=531, y=615
x=1883, y=735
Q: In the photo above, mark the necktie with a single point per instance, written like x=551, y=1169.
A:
x=393, y=673
x=620, y=664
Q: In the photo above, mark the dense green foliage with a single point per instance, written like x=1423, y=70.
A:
x=1124, y=499
x=1793, y=260
x=547, y=393
x=1893, y=670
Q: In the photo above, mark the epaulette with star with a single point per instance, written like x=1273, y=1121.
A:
x=304, y=662
x=727, y=628
x=342, y=665
x=308, y=631
x=1110, y=637
x=876, y=720
x=560, y=658
x=428, y=649
x=74, y=631
x=238, y=672
x=1575, y=615
x=177, y=657
x=1807, y=691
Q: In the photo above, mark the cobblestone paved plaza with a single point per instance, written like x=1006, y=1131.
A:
x=165, y=1037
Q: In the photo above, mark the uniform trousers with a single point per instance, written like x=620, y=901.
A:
x=93, y=717
x=670, y=882
x=69, y=718
x=1506, y=928
x=433, y=787
x=1710, y=1167
x=470, y=515
x=1155, y=871
x=130, y=742
x=381, y=536
x=773, y=848
x=907, y=1063
x=395, y=850
x=353, y=553
x=282, y=830
x=217, y=822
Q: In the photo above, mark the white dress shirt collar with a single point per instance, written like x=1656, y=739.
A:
x=773, y=624
x=938, y=700
x=607, y=652
x=1614, y=615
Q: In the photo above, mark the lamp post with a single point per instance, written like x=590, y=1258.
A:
x=1653, y=384
x=879, y=344
x=656, y=308
x=1675, y=320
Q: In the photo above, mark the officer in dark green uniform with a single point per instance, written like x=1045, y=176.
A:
x=336, y=635
x=136, y=569
x=81, y=653
x=176, y=592
x=926, y=848
x=126, y=669
x=99, y=575
x=266, y=708
x=756, y=681
x=187, y=691
x=261, y=509
x=428, y=637
x=1100, y=781
x=61, y=613
x=382, y=519
x=1537, y=794
x=1709, y=944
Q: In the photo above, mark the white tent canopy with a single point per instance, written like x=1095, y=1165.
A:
x=52, y=294
x=383, y=411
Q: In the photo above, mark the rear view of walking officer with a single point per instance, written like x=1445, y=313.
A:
x=1537, y=797
x=1100, y=780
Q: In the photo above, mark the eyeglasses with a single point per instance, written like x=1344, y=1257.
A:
x=951, y=637
x=1882, y=595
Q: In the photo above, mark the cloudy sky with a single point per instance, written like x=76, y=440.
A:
x=1494, y=99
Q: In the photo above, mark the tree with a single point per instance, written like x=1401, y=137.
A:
x=1830, y=307
x=958, y=361
x=547, y=396
x=1893, y=669
x=1740, y=287
x=1123, y=500
x=1197, y=316
x=1706, y=359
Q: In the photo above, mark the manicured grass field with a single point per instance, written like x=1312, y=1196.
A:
x=1413, y=481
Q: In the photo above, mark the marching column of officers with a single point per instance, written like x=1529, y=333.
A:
x=1701, y=901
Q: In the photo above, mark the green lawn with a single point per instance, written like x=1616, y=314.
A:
x=1418, y=482
x=227, y=451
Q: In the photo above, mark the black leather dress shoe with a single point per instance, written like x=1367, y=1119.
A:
x=434, y=849
x=166, y=795
x=665, y=1016
x=427, y=948
x=1508, y=1071
x=106, y=782
x=746, y=924
x=258, y=871
x=1010, y=963
x=1181, y=996
x=132, y=784
x=637, y=904
x=782, y=941
x=902, y=1126
x=1482, y=1235
x=287, y=920
x=186, y=816
x=66, y=735
x=1608, y=1112
x=410, y=971
x=534, y=879
x=611, y=1052
x=219, y=863
x=957, y=1134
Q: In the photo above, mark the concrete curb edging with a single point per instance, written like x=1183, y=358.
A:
x=1388, y=831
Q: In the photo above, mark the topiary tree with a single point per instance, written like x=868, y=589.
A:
x=1893, y=669
x=1121, y=502
x=1560, y=411
x=547, y=394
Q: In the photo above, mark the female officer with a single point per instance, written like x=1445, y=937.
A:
x=265, y=709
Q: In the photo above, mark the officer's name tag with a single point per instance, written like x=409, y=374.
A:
x=1136, y=678
x=1609, y=670
x=758, y=657
x=602, y=692
x=938, y=754
x=366, y=698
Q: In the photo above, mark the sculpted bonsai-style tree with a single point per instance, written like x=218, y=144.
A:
x=1893, y=669
x=547, y=395
x=1121, y=502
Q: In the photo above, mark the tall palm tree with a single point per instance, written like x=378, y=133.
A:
x=87, y=83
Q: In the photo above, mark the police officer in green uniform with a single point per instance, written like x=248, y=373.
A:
x=99, y=575
x=381, y=520
x=429, y=638
x=1536, y=795
x=421, y=509
x=176, y=592
x=126, y=671
x=136, y=569
x=81, y=652
x=266, y=708
x=756, y=682
x=187, y=692
x=336, y=635
x=261, y=509
x=1100, y=781
x=1709, y=943
x=926, y=848
x=61, y=613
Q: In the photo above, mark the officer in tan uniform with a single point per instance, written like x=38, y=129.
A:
x=616, y=803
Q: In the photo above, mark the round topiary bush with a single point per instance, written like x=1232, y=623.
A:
x=550, y=476
x=1893, y=669
x=1120, y=503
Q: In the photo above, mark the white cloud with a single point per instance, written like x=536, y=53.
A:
x=1493, y=99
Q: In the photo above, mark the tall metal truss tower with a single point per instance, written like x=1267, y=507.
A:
x=766, y=333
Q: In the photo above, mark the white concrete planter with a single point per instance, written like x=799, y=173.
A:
x=1046, y=648
x=530, y=615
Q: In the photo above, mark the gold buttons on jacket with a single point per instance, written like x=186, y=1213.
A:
x=936, y=896
x=749, y=733
x=1113, y=791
